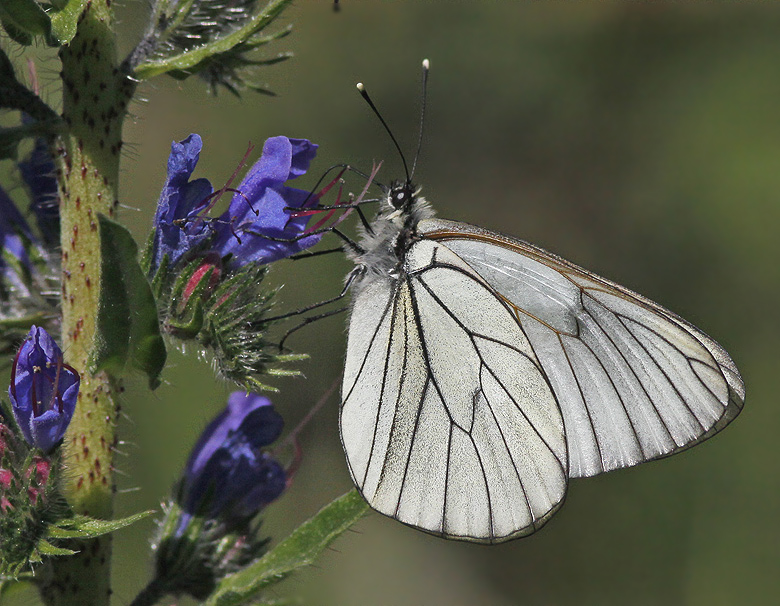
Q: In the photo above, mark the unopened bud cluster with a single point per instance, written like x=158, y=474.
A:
x=29, y=501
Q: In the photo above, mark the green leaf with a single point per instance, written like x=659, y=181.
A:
x=300, y=549
x=127, y=323
x=189, y=60
x=84, y=527
x=15, y=95
x=65, y=20
x=23, y=19
x=47, y=549
x=17, y=35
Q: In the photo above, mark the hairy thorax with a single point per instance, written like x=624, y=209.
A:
x=393, y=231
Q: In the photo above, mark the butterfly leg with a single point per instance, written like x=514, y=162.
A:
x=350, y=279
x=309, y=320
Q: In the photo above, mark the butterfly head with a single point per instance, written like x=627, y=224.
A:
x=404, y=206
x=401, y=196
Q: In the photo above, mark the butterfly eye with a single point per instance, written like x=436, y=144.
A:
x=401, y=193
x=398, y=199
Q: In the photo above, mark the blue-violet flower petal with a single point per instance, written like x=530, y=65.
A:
x=39, y=174
x=14, y=232
x=178, y=227
x=261, y=207
x=228, y=475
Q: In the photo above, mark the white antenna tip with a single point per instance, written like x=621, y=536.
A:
x=426, y=64
x=360, y=87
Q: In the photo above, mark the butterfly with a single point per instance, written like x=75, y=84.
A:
x=483, y=372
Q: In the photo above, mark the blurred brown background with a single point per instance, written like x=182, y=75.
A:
x=639, y=140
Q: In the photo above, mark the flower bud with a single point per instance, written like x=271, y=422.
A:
x=6, y=478
x=190, y=295
x=43, y=390
x=203, y=281
x=30, y=501
x=37, y=476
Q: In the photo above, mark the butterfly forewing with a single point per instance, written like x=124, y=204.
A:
x=634, y=382
x=448, y=421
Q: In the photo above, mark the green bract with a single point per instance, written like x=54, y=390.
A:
x=210, y=39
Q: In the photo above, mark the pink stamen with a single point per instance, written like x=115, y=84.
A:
x=33, y=76
x=327, y=216
x=315, y=198
x=214, y=197
x=349, y=207
x=292, y=437
x=306, y=213
x=358, y=200
x=296, y=462
x=328, y=187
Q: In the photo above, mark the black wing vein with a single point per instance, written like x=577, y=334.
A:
x=482, y=360
x=382, y=389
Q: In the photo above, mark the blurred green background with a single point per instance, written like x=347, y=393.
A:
x=639, y=140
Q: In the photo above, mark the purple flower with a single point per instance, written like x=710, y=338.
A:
x=15, y=241
x=228, y=476
x=260, y=209
x=14, y=230
x=40, y=177
x=178, y=226
x=43, y=390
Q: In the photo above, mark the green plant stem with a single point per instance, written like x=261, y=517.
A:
x=150, y=595
x=95, y=97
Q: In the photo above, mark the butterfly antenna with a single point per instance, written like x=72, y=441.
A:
x=426, y=65
x=368, y=100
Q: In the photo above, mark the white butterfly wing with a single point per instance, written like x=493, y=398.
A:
x=634, y=381
x=447, y=420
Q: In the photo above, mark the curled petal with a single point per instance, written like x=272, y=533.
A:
x=178, y=227
x=303, y=152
